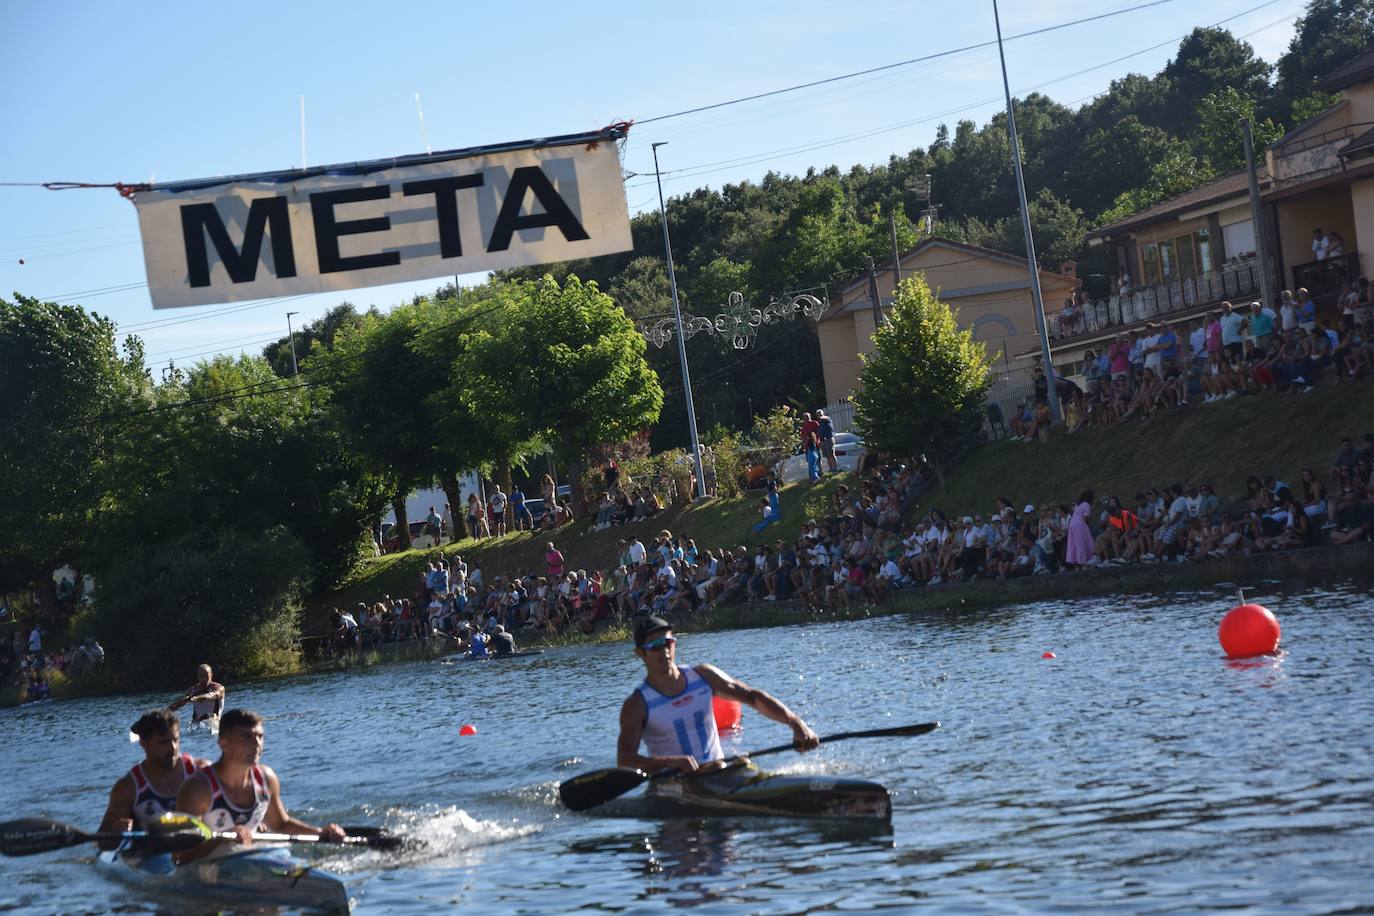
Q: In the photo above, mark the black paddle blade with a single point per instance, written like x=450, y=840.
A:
x=599, y=786
x=379, y=838
x=31, y=835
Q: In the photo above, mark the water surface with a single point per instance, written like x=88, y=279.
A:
x=1137, y=770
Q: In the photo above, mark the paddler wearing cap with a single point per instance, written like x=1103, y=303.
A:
x=671, y=711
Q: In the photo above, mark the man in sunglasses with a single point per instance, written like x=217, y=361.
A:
x=671, y=712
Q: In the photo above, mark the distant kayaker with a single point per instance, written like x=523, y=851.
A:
x=501, y=642
x=238, y=792
x=149, y=790
x=671, y=711
x=477, y=648
x=206, y=696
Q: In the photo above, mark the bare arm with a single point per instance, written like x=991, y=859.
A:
x=119, y=812
x=761, y=701
x=633, y=715
x=280, y=820
x=194, y=799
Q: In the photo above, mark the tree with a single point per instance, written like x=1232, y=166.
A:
x=923, y=387
x=1058, y=230
x=1111, y=160
x=1328, y=34
x=63, y=384
x=319, y=333
x=1209, y=60
x=564, y=364
x=1177, y=172
x=1220, y=140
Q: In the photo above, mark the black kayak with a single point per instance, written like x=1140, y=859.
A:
x=523, y=653
x=745, y=790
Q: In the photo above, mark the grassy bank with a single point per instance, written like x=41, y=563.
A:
x=1219, y=443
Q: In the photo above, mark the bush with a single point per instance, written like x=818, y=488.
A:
x=227, y=598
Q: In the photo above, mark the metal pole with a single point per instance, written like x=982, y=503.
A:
x=291, y=335
x=878, y=318
x=1261, y=241
x=681, y=338
x=1032, y=265
x=896, y=257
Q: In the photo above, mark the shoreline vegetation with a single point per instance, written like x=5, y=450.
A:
x=1220, y=443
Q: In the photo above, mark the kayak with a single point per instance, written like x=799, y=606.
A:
x=258, y=877
x=490, y=655
x=744, y=789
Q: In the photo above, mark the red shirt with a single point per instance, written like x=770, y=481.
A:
x=808, y=432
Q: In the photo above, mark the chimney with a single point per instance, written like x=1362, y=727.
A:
x=1068, y=268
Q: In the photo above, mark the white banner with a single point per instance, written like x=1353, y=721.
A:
x=341, y=227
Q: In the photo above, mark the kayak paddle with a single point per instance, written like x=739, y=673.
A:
x=600, y=786
x=32, y=835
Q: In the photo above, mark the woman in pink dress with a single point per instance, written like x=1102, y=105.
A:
x=1079, y=549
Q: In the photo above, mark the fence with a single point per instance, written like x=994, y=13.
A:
x=1006, y=389
x=1240, y=280
x=841, y=415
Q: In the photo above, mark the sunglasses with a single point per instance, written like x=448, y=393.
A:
x=662, y=642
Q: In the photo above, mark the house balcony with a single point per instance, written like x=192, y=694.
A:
x=1322, y=278
x=1177, y=298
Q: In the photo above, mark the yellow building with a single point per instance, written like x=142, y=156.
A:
x=988, y=290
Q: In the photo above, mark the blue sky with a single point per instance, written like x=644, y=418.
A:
x=127, y=92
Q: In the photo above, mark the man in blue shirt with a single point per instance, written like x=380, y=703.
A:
x=520, y=514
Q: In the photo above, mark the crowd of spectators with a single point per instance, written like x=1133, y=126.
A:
x=1208, y=359
x=26, y=666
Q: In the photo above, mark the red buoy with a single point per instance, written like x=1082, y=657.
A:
x=1248, y=630
x=1049, y=655
x=468, y=729
x=727, y=713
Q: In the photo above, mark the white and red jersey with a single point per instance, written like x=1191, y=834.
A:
x=224, y=815
x=149, y=803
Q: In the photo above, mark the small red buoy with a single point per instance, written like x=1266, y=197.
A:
x=468, y=729
x=727, y=713
x=1248, y=630
x=1049, y=655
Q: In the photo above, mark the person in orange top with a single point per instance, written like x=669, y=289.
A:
x=1120, y=527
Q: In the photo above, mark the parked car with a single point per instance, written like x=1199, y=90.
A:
x=420, y=539
x=849, y=456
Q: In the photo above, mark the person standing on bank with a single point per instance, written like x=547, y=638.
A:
x=671, y=712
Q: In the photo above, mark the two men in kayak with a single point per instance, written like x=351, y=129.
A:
x=671, y=711
x=238, y=792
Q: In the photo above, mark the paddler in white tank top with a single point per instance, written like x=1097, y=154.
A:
x=206, y=696
x=150, y=789
x=671, y=711
x=239, y=793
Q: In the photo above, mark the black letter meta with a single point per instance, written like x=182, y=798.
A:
x=445, y=191
x=328, y=229
x=556, y=211
x=197, y=219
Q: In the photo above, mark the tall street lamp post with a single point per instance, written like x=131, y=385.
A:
x=291, y=336
x=681, y=338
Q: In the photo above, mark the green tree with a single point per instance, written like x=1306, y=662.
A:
x=1220, y=140
x=319, y=333
x=1177, y=172
x=1209, y=60
x=1308, y=107
x=564, y=365
x=1058, y=230
x=1111, y=160
x=1328, y=34
x=921, y=391
x=63, y=386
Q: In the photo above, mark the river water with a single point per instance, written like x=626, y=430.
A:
x=1137, y=770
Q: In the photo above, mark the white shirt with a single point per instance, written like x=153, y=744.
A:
x=668, y=574
x=1230, y=327
x=1320, y=246
x=1197, y=342
x=1288, y=314
x=1152, y=360
x=636, y=552
x=890, y=571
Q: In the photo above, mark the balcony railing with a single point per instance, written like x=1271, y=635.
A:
x=1234, y=282
x=1323, y=277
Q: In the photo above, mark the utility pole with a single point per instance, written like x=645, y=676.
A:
x=896, y=256
x=1261, y=241
x=681, y=338
x=879, y=319
x=291, y=335
x=1051, y=392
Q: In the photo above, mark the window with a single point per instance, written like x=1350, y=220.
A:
x=1176, y=258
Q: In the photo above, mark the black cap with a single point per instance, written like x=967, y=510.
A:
x=649, y=626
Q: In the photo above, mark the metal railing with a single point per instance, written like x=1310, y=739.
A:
x=1323, y=277
x=1237, y=281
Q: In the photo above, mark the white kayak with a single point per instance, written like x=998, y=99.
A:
x=260, y=876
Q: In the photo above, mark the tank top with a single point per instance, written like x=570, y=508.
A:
x=204, y=709
x=684, y=724
x=149, y=803
x=224, y=815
